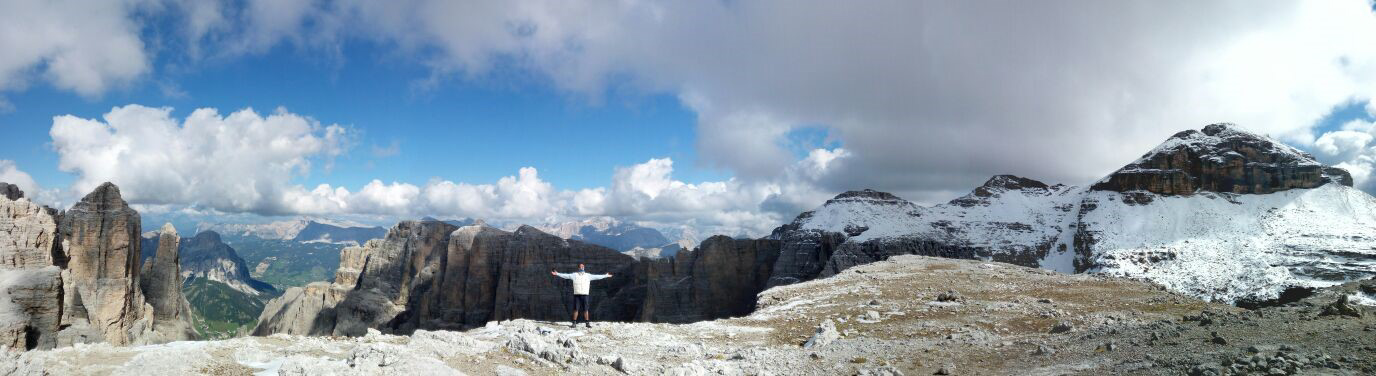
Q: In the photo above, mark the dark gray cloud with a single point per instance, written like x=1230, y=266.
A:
x=928, y=98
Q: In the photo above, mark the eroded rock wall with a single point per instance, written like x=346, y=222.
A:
x=73, y=277
x=430, y=275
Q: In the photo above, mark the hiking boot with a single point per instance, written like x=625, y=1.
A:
x=588, y=323
x=574, y=325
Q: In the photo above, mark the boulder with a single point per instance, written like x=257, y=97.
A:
x=824, y=335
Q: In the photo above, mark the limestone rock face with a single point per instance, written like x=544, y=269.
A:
x=73, y=277
x=161, y=283
x=498, y=275
x=28, y=233
x=30, y=282
x=431, y=275
x=1222, y=158
x=101, y=297
x=718, y=279
x=307, y=310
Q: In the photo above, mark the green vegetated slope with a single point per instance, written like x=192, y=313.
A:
x=221, y=311
x=286, y=263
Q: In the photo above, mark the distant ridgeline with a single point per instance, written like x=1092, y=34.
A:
x=1220, y=213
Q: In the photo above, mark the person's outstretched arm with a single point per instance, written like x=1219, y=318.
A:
x=597, y=277
x=561, y=275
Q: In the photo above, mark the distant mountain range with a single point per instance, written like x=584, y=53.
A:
x=306, y=229
x=627, y=237
x=225, y=299
x=1218, y=213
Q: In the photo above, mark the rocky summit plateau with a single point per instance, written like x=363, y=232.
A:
x=1218, y=252
x=908, y=315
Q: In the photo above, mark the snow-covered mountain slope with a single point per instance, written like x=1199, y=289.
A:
x=1229, y=247
x=1222, y=214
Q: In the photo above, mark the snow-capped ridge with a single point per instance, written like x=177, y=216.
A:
x=999, y=184
x=1219, y=213
x=1221, y=158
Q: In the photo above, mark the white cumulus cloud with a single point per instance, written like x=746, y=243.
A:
x=82, y=46
x=10, y=173
x=246, y=162
x=243, y=161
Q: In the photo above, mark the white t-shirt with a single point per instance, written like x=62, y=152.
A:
x=582, y=282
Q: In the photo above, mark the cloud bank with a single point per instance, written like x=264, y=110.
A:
x=926, y=97
x=248, y=162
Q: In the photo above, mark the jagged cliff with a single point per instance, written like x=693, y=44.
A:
x=73, y=277
x=429, y=275
x=161, y=284
x=101, y=297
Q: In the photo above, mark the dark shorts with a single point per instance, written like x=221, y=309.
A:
x=580, y=303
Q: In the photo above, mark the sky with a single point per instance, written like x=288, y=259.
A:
x=726, y=116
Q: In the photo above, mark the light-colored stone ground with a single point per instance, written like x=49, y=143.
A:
x=888, y=316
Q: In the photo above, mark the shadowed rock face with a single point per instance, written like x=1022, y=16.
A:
x=1222, y=158
x=718, y=279
x=430, y=275
x=10, y=191
x=161, y=282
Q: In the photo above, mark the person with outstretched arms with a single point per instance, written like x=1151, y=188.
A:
x=582, y=282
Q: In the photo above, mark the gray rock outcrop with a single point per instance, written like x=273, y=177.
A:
x=73, y=277
x=718, y=279
x=161, y=283
x=431, y=275
x=30, y=282
x=102, y=301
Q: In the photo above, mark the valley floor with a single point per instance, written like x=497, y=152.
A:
x=909, y=315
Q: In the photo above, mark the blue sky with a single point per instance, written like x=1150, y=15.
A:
x=464, y=130
x=727, y=117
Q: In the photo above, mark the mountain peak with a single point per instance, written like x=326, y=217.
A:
x=1012, y=182
x=106, y=193
x=206, y=237
x=866, y=195
x=1003, y=183
x=1222, y=158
